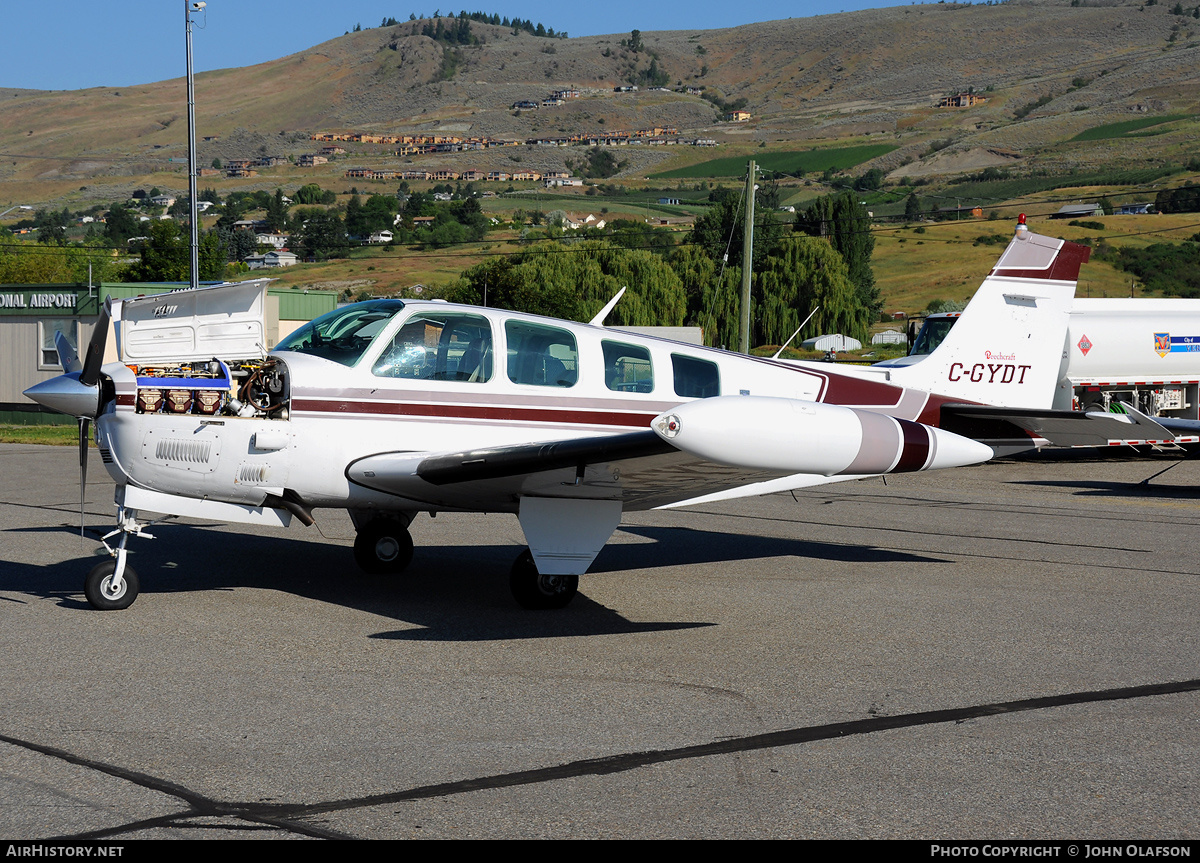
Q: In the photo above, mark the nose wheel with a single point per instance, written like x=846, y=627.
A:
x=383, y=547
x=533, y=590
x=105, y=591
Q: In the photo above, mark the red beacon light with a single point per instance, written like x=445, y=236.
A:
x=1022, y=228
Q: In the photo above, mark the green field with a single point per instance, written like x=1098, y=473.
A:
x=790, y=162
x=995, y=191
x=1117, y=130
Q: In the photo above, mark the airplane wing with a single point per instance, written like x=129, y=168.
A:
x=639, y=469
x=709, y=449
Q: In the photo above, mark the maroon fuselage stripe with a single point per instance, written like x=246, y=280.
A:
x=476, y=413
x=916, y=447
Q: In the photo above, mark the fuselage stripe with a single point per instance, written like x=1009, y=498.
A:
x=476, y=412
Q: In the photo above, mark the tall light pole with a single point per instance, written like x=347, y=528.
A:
x=189, y=7
x=17, y=207
x=747, y=263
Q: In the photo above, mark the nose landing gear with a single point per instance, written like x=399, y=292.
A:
x=113, y=584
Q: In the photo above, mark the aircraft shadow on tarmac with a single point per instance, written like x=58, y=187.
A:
x=1100, y=488
x=448, y=593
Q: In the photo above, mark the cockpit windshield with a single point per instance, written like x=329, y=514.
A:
x=344, y=334
x=931, y=335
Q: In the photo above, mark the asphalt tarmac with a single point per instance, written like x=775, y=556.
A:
x=1001, y=652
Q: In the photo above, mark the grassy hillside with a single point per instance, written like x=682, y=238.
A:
x=866, y=78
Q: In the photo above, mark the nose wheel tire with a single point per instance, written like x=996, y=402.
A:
x=383, y=547
x=533, y=590
x=99, y=590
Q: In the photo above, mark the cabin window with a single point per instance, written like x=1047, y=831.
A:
x=627, y=368
x=434, y=346
x=695, y=379
x=541, y=356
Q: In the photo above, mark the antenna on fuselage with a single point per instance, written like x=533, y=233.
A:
x=775, y=356
x=598, y=321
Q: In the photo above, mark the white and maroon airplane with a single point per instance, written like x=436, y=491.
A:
x=390, y=408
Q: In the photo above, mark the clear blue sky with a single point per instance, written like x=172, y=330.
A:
x=71, y=44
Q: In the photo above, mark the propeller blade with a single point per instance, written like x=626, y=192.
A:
x=67, y=358
x=84, y=422
x=93, y=358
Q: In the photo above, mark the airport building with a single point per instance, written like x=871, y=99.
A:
x=30, y=315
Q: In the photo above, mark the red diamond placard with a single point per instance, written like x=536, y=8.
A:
x=1085, y=345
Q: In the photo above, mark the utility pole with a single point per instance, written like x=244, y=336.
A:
x=190, y=6
x=747, y=263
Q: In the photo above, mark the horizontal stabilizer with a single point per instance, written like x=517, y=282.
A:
x=1071, y=428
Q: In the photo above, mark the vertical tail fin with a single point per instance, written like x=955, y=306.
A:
x=1006, y=348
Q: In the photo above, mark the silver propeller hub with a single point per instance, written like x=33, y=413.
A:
x=68, y=395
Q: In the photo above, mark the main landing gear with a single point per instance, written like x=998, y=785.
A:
x=383, y=546
x=113, y=584
x=533, y=590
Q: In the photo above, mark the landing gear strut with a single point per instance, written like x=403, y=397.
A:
x=383, y=546
x=113, y=584
x=533, y=590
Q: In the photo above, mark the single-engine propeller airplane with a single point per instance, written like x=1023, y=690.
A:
x=390, y=408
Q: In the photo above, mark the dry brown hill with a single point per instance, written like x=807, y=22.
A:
x=872, y=74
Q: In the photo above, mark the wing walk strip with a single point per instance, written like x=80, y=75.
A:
x=284, y=815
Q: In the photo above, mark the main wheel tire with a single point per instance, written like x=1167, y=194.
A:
x=383, y=547
x=533, y=590
x=97, y=587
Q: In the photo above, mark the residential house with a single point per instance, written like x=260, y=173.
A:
x=275, y=241
x=271, y=260
x=961, y=100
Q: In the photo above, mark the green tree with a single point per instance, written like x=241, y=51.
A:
x=843, y=221
x=166, y=255
x=712, y=294
x=322, y=235
x=912, y=206
x=575, y=284
x=722, y=228
x=30, y=264
x=803, y=274
x=277, y=211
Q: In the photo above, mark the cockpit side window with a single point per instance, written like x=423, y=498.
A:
x=541, y=356
x=627, y=368
x=433, y=346
x=695, y=379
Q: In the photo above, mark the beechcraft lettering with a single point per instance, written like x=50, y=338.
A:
x=986, y=373
x=391, y=409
